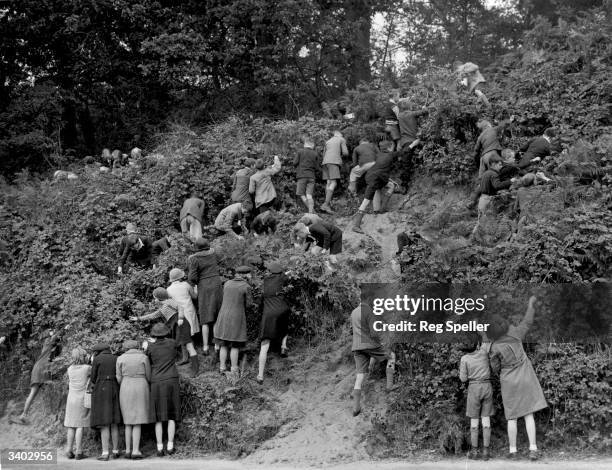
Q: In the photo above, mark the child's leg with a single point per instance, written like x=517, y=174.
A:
x=357, y=393
x=474, y=433
x=263, y=356
x=33, y=392
x=69, y=439
x=128, y=438
x=512, y=435
x=205, y=333
x=486, y=431
x=223, y=359
x=531, y=431
x=79, y=440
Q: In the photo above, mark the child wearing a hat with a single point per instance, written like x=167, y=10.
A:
x=275, y=316
x=474, y=368
x=521, y=391
x=230, y=330
x=165, y=397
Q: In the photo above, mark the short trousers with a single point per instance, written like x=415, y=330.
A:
x=360, y=170
x=374, y=184
x=362, y=358
x=305, y=186
x=479, y=400
x=331, y=171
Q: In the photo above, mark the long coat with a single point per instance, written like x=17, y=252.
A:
x=274, y=320
x=231, y=323
x=204, y=273
x=133, y=371
x=183, y=293
x=520, y=388
x=105, y=409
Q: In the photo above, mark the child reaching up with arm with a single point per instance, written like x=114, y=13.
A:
x=521, y=391
x=474, y=369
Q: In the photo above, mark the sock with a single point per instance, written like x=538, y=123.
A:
x=533, y=447
x=170, y=445
x=486, y=436
x=513, y=450
x=160, y=447
x=474, y=437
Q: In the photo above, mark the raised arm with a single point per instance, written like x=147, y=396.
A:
x=274, y=168
x=527, y=321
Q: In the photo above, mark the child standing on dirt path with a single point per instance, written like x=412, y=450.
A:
x=377, y=179
x=367, y=351
x=520, y=388
x=335, y=149
x=474, y=368
x=306, y=161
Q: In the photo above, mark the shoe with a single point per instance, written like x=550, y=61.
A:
x=127, y=455
x=326, y=208
x=356, y=402
x=205, y=352
x=137, y=456
x=534, y=455
x=284, y=352
x=115, y=454
x=259, y=380
x=171, y=451
x=69, y=454
x=512, y=456
x=160, y=453
x=485, y=453
x=103, y=457
x=357, y=223
x=80, y=456
x=18, y=420
x=472, y=454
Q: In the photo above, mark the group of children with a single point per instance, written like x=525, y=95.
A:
x=500, y=351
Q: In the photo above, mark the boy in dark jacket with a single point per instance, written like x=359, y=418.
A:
x=306, y=161
x=536, y=149
x=377, y=178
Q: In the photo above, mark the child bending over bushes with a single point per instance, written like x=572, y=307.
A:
x=521, y=391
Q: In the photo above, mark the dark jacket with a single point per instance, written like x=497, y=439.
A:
x=128, y=251
x=202, y=265
x=409, y=125
x=241, y=181
x=364, y=153
x=488, y=140
x=105, y=408
x=162, y=354
x=324, y=233
x=306, y=161
x=382, y=169
x=538, y=147
x=491, y=183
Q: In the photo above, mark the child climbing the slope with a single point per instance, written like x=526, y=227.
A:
x=521, y=391
x=474, y=368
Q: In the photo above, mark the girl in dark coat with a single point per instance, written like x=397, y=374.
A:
x=165, y=399
x=204, y=273
x=40, y=372
x=274, y=321
x=105, y=407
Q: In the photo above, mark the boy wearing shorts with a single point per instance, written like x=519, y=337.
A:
x=306, y=162
x=367, y=351
x=335, y=149
x=474, y=368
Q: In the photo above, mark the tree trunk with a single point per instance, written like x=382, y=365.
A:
x=359, y=20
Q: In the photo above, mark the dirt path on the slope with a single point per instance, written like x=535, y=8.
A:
x=323, y=430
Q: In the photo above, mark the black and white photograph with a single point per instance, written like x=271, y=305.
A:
x=306, y=234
